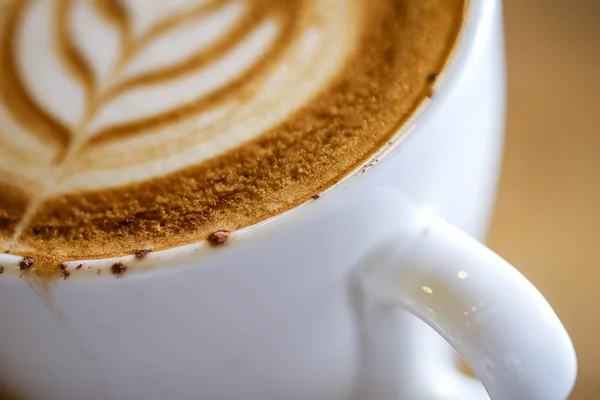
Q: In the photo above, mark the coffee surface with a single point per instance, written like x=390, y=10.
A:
x=147, y=124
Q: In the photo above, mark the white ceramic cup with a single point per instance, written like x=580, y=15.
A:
x=323, y=302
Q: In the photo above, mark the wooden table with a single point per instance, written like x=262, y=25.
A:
x=547, y=220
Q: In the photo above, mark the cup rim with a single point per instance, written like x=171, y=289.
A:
x=477, y=17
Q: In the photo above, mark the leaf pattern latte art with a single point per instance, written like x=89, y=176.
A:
x=97, y=94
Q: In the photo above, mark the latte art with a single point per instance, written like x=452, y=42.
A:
x=126, y=91
x=128, y=124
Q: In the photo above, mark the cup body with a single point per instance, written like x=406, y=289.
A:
x=271, y=315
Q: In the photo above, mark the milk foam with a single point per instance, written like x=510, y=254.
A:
x=87, y=79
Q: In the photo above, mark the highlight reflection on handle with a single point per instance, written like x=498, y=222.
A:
x=490, y=313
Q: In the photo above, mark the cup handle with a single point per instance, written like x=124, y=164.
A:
x=491, y=314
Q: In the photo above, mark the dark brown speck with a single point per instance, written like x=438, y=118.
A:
x=64, y=271
x=433, y=77
x=143, y=253
x=118, y=268
x=218, y=238
x=26, y=263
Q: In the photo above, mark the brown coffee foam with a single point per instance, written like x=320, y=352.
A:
x=403, y=43
x=13, y=203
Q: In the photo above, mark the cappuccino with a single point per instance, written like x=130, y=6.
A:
x=148, y=124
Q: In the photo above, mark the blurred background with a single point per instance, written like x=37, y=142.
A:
x=547, y=219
